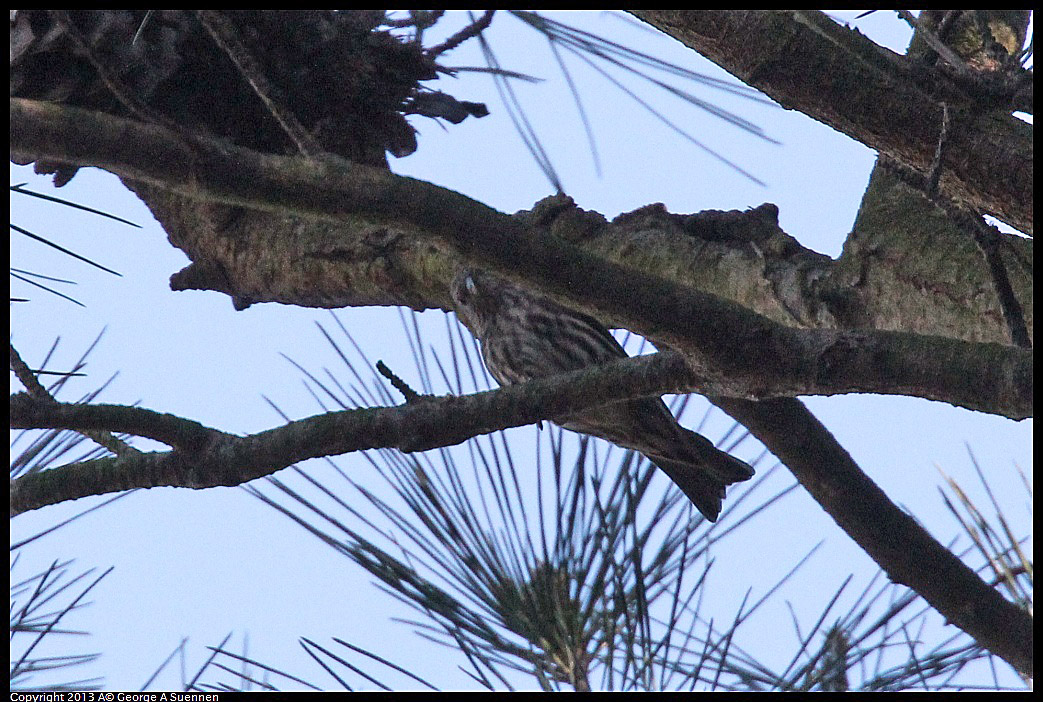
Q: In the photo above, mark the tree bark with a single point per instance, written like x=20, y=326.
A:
x=723, y=340
x=808, y=62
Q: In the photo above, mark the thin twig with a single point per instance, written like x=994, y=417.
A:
x=226, y=36
x=935, y=42
x=989, y=241
x=409, y=393
x=939, y=153
x=468, y=32
x=32, y=384
x=120, y=91
x=28, y=377
x=141, y=27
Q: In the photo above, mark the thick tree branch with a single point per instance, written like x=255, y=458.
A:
x=206, y=457
x=740, y=354
x=725, y=341
x=892, y=538
x=836, y=75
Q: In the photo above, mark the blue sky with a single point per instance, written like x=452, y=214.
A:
x=200, y=564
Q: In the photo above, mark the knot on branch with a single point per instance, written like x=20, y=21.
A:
x=759, y=226
x=561, y=217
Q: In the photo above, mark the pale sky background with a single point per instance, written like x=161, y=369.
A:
x=201, y=564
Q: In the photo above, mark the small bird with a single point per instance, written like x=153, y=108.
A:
x=525, y=335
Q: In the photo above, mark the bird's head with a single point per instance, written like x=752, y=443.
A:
x=475, y=298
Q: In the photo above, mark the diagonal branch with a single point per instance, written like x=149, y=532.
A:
x=892, y=538
x=225, y=35
x=32, y=384
x=760, y=357
x=808, y=62
x=205, y=457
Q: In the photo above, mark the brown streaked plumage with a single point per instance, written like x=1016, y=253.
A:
x=525, y=335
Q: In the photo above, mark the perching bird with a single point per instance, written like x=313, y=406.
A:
x=526, y=335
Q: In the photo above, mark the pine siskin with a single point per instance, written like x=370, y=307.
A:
x=525, y=335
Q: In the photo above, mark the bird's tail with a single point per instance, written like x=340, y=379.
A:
x=704, y=478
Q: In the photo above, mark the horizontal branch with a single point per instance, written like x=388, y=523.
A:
x=32, y=412
x=205, y=457
x=725, y=341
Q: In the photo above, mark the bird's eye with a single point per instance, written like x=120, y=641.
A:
x=470, y=285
